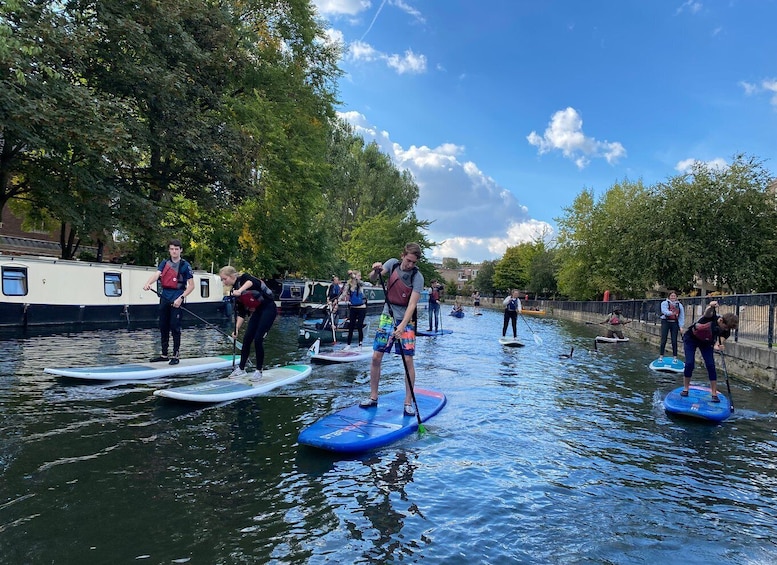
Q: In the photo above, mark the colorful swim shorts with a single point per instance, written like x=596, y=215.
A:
x=384, y=340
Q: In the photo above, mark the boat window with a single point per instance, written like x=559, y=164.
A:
x=15, y=281
x=112, y=283
x=204, y=287
x=296, y=291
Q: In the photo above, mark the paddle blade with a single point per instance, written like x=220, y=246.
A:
x=537, y=339
x=313, y=349
x=421, y=429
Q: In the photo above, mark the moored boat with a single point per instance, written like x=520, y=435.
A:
x=49, y=292
x=311, y=330
x=314, y=299
x=288, y=294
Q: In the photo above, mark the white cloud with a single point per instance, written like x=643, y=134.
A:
x=473, y=217
x=409, y=63
x=685, y=165
x=565, y=133
x=409, y=10
x=691, y=6
x=767, y=85
x=341, y=7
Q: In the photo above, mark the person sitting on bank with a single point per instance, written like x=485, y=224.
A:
x=615, y=321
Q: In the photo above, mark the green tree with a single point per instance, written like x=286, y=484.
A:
x=484, y=281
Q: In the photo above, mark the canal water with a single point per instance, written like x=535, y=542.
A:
x=535, y=459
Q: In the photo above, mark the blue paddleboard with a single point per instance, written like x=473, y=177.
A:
x=355, y=429
x=698, y=404
x=433, y=332
x=668, y=365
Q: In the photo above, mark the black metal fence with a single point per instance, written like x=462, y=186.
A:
x=756, y=311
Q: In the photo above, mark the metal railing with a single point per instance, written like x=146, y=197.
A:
x=756, y=312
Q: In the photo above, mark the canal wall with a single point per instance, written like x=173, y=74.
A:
x=747, y=361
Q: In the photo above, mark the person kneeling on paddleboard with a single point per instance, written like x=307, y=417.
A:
x=615, y=322
x=255, y=301
x=396, y=328
x=708, y=335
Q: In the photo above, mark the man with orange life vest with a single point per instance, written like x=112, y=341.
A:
x=177, y=281
x=403, y=290
x=672, y=321
x=707, y=335
x=255, y=301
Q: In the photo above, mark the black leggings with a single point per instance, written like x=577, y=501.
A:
x=259, y=323
x=668, y=326
x=510, y=316
x=356, y=320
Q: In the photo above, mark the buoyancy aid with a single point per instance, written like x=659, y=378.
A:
x=169, y=277
x=398, y=292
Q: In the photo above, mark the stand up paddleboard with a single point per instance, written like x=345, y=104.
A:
x=222, y=390
x=433, y=332
x=342, y=356
x=511, y=342
x=698, y=404
x=602, y=339
x=355, y=429
x=150, y=370
x=668, y=365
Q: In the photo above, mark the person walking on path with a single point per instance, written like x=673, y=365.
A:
x=403, y=290
x=177, y=282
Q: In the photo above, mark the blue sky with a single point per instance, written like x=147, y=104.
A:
x=505, y=110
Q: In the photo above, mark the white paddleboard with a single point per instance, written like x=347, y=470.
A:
x=342, y=356
x=222, y=390
x=602, y=339
x=511, y=342
x=148, y=370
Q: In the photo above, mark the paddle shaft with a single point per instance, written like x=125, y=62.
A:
x=728, y=386
x=537, y=338
x=402, y=354
x=206, y=322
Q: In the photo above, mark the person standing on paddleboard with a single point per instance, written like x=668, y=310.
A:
x=353, y=293
x=434, y=305
x=512, y=304
x=672, y=322
x=403, y=290
x=708, y=335
x=177, y=280
x=255, y=301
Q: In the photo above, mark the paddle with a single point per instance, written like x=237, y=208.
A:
x=314, y=349
x=421, y=428
x=332, y=323
x=206, y=322
x=728, y=386
x=537, y=339
x=234, y=339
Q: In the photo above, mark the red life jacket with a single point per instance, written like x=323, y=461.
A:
x=169, y=276
x=703, y=332
x=251, y=300
x=615, y=320
x=674, y=312
x=398, y=292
